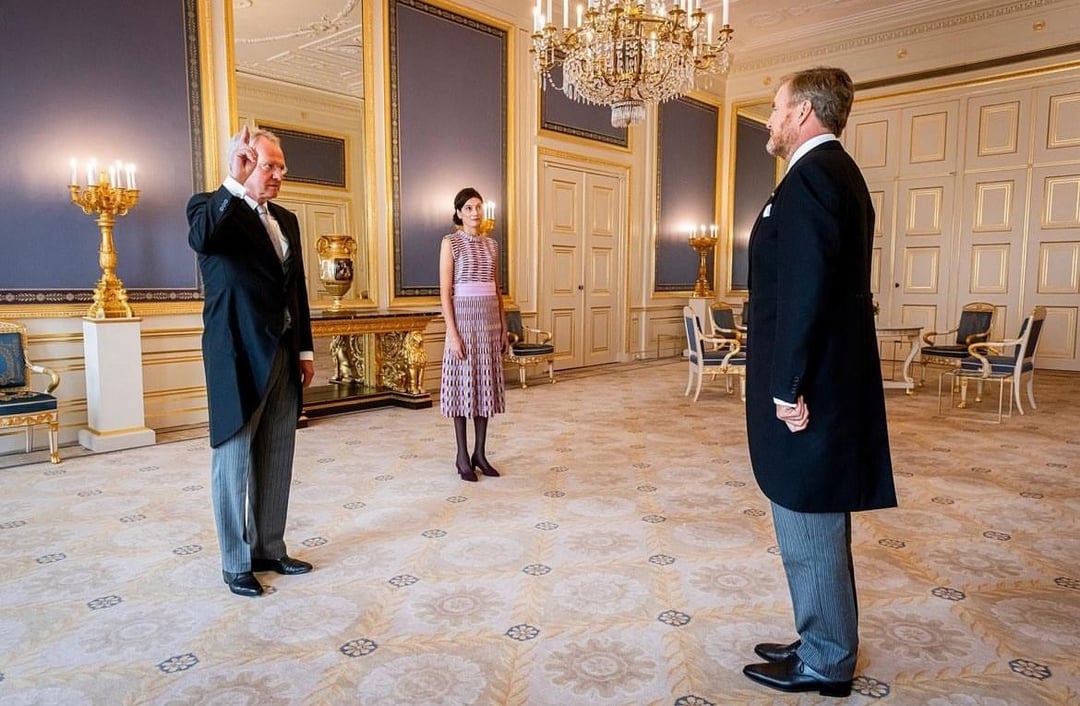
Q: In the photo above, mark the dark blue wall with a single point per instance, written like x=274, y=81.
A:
x=108, y=80
x=687, y=153
x=755, y=177
x=448, y=93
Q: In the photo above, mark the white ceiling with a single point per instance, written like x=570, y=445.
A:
x=306, y=42
x=317, y=42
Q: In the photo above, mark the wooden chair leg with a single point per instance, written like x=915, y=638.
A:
x=551, y=371
x=521, y=376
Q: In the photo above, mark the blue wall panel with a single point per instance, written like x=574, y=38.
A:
x=109, y=80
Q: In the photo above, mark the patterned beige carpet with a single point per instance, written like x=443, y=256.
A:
x=625, y=558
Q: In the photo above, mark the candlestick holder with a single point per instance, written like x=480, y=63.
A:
x=107, y=201
x=703, y=244
x=486, y=226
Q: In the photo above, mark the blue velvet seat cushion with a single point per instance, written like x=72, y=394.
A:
x=999, y=364
x=946, y=351
x=525, y=349
x=717, y=358
x=25, y=402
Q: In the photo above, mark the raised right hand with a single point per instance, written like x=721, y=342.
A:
x=242, y=156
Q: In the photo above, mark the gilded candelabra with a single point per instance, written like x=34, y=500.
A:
x=107, y=199
x=703, y=243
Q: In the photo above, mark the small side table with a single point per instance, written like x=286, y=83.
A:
x=902, y=333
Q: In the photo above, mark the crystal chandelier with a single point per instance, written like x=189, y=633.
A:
x=625, y=53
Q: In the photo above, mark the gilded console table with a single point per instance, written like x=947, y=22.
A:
x=377, y=360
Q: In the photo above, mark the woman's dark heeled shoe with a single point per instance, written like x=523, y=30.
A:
x=486, y=468
x=467, y=473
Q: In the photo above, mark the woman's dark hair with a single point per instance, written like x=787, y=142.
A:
x=462, y=197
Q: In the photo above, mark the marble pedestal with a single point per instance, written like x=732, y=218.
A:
x=114, y=385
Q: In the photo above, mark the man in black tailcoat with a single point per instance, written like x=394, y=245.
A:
x=815, y=409
x=257, y=352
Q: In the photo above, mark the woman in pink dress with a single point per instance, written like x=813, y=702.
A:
x=472, y=375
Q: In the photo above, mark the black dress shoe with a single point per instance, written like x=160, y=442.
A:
x=793, y=675
x=775, y=652
x=284, y=565
x=243, y=583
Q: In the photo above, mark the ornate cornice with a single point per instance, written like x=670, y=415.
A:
x=324, y=25
x=887, y=36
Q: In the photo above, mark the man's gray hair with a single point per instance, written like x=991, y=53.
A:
x=830, y=92
x=265, y=134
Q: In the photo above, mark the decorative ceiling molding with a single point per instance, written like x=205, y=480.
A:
x=317, y=43
x=742, y=66
x=324, y=25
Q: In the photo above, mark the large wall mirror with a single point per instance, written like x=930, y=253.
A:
x=755, y=174
x=300, y=73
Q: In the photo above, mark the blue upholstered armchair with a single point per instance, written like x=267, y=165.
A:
x=976, y=322
x=722, y=324
x=529, y=346
x=21, y=406
x=723, y=357
x=994, y=360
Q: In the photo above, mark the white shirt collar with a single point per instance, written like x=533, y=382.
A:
x=809, y=145
x=237, y=189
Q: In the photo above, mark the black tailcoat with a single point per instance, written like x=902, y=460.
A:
x=247, y=292
x=811, y=322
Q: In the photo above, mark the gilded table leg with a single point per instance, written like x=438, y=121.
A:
x=348, y=354
x=401, y=361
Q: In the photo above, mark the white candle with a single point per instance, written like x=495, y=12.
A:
x=91, y=173
x=112, y=175
x=565, y=13
x=489, y=210
x=131, y=184
x=550, y=17
x=725, y=13
x=536, y=20
x=74, y=172
x=580, y=11
x=708, y=28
